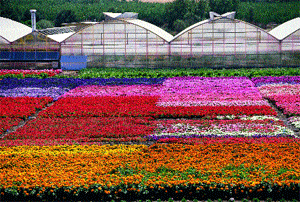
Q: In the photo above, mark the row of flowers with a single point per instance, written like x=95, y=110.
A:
x=261, y=81
x=138, y=171
x=184, y=91
x=123, y=129
x=21, y=107
x=141, y=106
x=7, y=123
x=20, y=73
x=175, y=72
x=88, y=129
x=284, y=93
x=10, y=83
x=55, y=87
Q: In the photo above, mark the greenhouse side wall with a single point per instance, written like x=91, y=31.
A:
x=4, y=52
x=218, y=43
x=226, y=43
x=33, y=51
x=290, y=48
x=117, y=43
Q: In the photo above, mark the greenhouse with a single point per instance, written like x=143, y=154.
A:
x=123, y=40
x=223, y=40
x=288, y=35
x=22, y=46
x=36, y=47
x=9, y=32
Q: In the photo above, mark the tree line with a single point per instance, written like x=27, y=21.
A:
x=173, y=16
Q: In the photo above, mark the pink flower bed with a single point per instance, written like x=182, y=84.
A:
x=271, y=90
x=122, y=90
x=49, y=72
x=202, y=91
x=185, y=91
x=284, y=92
x=285, y=96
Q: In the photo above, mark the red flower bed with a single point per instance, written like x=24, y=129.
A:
x=91, y=128
x=143, y=106
x=21, y=106
x=7, y=123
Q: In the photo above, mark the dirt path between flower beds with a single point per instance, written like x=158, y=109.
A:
x=69, y=73
x=284, y=118
x=25, y=121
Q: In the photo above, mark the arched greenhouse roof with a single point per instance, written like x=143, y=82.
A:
x=132, y=19
x=190, y=28
x=215, y=17
x=286, y=29
x=12, y=30
x=152, y=28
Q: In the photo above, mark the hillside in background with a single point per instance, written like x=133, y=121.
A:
x=172, y=16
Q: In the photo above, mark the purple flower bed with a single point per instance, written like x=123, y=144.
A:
x=260, y=81
x=55, y=87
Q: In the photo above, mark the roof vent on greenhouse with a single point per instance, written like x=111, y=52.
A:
x=229, y=15
x=126, y=15
x=129, y=15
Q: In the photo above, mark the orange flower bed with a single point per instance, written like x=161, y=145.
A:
x=139, y=170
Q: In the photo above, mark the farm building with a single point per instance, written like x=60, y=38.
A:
x=121, y=39
x=10, y=31
x=288, y=35
x=225, y=41
x=124, y=40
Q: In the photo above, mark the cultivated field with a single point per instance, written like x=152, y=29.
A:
x=164, y=134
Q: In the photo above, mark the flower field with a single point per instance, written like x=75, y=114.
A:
x=193, y=137
x=284, y=92
x=6, y=73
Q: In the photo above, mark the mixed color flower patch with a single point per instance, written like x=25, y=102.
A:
x=223, y=106
x=231, y=140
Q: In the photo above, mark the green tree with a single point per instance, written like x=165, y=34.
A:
x=174, y=11
x=8, y=10
x=179, y=25
x=202, y=8
x=43, y=24
x=65, y=16
x=223, y=6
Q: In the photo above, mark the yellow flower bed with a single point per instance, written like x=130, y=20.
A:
x=234, y=168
